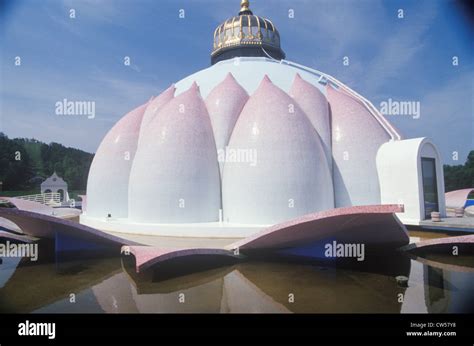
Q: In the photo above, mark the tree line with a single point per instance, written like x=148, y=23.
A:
x=460, y=176
x=25, y=163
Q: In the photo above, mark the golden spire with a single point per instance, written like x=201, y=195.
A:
x=244, y=7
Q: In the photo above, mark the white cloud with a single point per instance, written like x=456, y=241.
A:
x=446, y=116
x=28, y=104
x=399, y=49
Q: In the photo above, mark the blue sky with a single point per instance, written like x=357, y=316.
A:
x=407, y=59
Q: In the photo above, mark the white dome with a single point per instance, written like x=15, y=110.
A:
x=107, y=184
x=153, y=108
x=248, y=72
x=175, y=174
x=289, y=176
x=269, y=126
x=356, y=138
x=224, y=104
x=315, y=105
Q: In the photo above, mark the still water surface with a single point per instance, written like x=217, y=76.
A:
x=110, y=285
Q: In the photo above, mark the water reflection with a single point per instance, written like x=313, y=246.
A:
x=8, y=267
x=448, y=291
x=32, y=286
x=111, y=285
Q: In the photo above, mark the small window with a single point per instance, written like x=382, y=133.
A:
x=430, y=187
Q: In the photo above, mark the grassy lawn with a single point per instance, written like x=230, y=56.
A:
x=19, y=193
x=74, y=194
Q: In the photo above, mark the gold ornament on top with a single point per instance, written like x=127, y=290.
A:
x=245, y=29
x=244, y=5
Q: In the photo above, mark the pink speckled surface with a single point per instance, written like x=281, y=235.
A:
x=457, y=198
x=381, y=117
x=447, y=241
x=154, y=107
x=147, y=256
x=356, y=138
x=175, y=175
x=316, y=107
x=128, y=126
x=350, y=223
x=46, y=226
x=290, y=165
x=16, y=237
x=224, y=104
x=107, y=185
x=30, y=206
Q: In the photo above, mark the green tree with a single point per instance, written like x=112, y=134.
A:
x=41, y=159
x=460, y=176
x=15, y=165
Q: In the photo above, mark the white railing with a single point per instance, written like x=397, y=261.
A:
x=392, y=132
x=49, y=198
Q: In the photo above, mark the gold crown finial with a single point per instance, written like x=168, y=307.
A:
x=244, y=5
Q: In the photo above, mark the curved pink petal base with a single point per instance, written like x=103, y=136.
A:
x=372, y=224
x=445, y=247
x=457, y=198
x=16, y=237
x=29, y=205
x=442, y=243
x=36, y=207
x=376, y=225
x=147, y=256
x=46, y=226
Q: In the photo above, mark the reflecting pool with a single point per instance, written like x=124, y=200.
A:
x=436, y=284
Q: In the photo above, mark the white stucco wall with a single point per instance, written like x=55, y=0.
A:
x=400, y=176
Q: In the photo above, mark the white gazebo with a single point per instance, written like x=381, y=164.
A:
x=55, y=184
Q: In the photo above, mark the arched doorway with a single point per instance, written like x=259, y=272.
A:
x=61, y=194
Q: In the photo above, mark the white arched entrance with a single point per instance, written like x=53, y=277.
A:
x=55, y=184
x=411, y=173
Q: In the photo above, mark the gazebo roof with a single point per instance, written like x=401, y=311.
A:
x=54, y=180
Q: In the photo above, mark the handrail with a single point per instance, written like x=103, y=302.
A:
x=48, y=198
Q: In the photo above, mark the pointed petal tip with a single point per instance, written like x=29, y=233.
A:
x=296, y=83
x=265, y=81
x=194, y=87
x=229, y=78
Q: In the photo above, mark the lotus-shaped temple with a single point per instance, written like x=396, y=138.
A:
x=254, y=141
